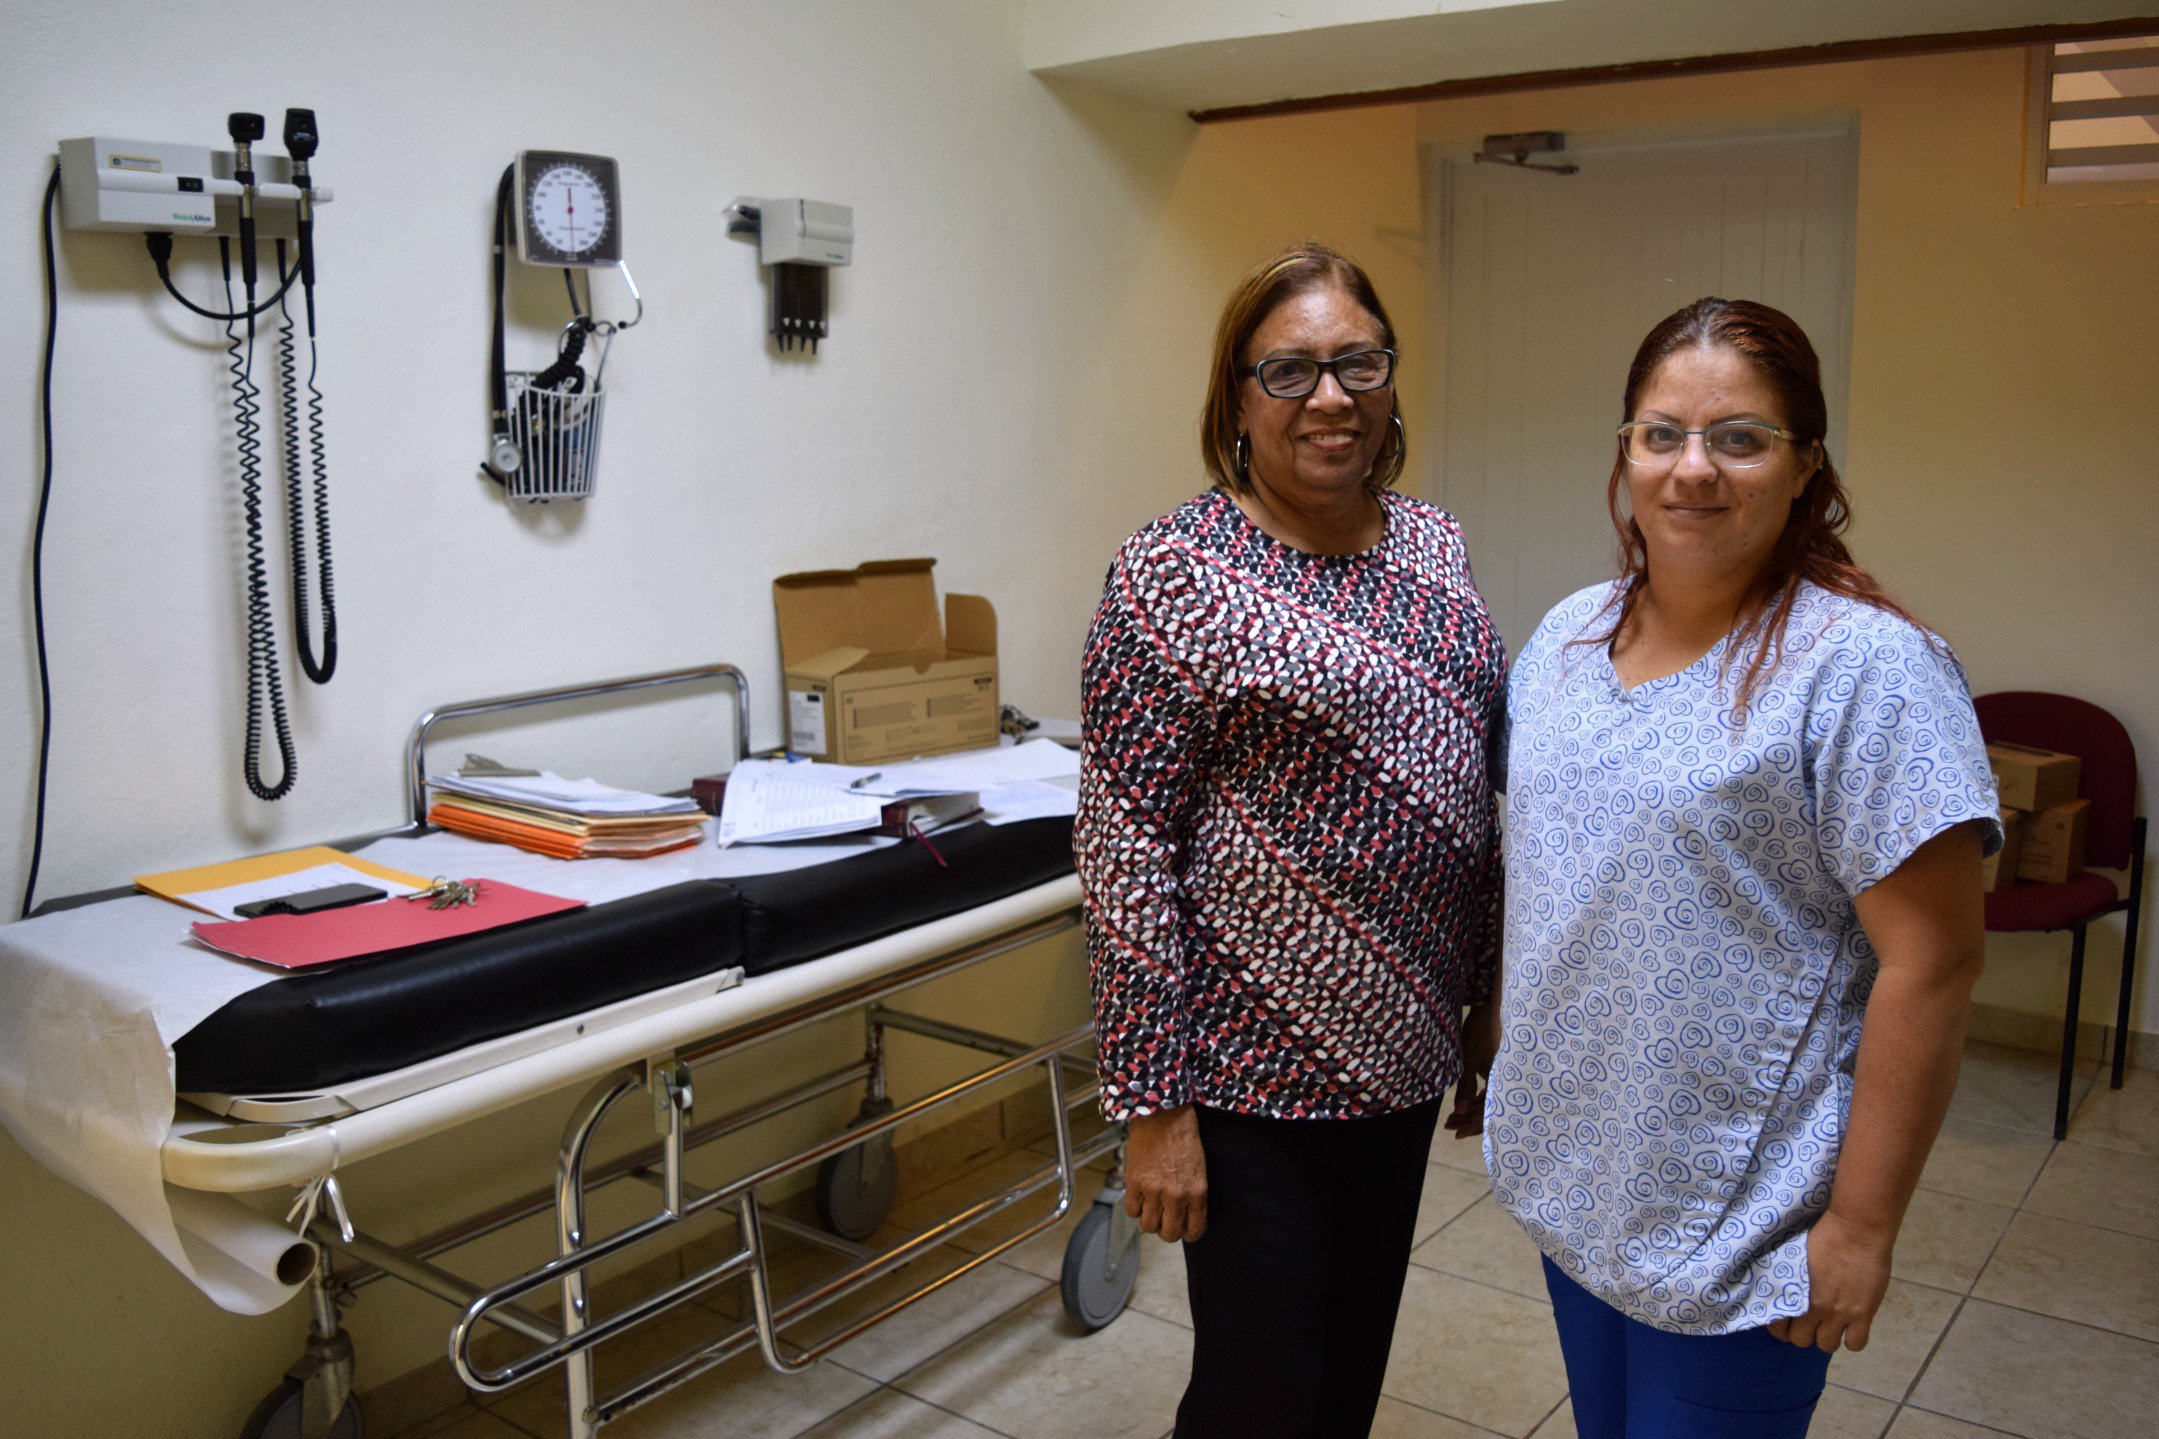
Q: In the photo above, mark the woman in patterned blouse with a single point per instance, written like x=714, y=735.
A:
x=1747, y=800
x=1287, y=840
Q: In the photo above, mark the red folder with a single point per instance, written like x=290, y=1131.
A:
x=297, y=941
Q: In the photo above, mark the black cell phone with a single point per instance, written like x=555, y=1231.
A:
x=337, y=896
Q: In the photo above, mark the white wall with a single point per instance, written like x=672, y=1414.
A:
x=915, y=430
x=994, y=215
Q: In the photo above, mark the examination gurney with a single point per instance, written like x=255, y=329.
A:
x=297, y=1078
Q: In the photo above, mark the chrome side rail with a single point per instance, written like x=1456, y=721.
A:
x=579, y=1254
x=768, y=1328
x=734, y=1041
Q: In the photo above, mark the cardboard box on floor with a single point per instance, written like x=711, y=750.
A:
x=2053, y=850
x=1999, y=870
x=873, y=674
x=2033, y=779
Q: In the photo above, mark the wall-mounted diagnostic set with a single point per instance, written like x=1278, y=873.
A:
x=563, y=211
x=799, y=241
x=166, y=191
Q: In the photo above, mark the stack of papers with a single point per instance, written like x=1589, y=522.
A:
x=566, y=818
x=769, y=802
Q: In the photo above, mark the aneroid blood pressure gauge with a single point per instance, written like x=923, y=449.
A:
x=569, y=209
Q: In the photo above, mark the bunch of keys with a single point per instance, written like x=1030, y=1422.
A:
x=449, y=893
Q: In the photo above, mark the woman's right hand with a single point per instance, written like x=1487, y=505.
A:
x=1165, y=1174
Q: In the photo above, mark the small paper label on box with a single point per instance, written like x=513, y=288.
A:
x=806, y=721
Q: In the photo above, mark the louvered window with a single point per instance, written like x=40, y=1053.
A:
x=2094, y=124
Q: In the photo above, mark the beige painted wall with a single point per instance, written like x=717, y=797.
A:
x=2004, y=408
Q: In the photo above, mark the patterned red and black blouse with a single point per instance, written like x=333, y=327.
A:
x=1287, y=836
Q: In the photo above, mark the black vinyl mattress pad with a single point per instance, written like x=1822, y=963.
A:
x=313, y=1030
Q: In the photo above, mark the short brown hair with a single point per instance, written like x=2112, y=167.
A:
x=1297, y=270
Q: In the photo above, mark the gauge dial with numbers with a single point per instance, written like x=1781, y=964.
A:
x=569, y=209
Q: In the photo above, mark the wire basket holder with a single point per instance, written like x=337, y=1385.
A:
x=547, y=422
x=558, y=435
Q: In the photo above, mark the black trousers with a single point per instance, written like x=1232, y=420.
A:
x=1295, y=1286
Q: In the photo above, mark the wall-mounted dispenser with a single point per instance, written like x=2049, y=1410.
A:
x=798, y=240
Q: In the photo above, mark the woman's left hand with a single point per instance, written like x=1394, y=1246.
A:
x=1847, y=1275
x=1480, y=1043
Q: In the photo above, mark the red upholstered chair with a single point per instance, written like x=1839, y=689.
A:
x=2114, y=839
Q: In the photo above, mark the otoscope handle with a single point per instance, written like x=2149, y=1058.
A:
x=245, y=129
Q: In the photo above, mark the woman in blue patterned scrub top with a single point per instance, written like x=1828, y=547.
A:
x=1747, y=803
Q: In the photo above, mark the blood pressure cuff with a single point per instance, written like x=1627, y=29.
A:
x=313, y=1030
x=803, y=913
x=370, y=1016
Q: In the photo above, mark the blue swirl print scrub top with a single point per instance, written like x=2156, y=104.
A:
x=1684, y=973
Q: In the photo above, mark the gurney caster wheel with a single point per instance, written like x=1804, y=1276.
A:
x=855, y=1186
x=280, y=1416
x=1101, y=1264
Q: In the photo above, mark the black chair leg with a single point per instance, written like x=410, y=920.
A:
x=2070, y=1017
x=2129, y=955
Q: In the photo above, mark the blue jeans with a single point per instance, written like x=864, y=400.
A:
x=1630, y=1381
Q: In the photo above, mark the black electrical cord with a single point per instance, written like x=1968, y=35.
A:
x=498, y=379
x=263, y=680
x=296, y=511
x=37, y=543
x=563, y=375
x=159, y=243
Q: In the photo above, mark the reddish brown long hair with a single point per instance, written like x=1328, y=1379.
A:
x=1811, y=546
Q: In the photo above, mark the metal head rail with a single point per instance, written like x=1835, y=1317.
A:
x=416, y=745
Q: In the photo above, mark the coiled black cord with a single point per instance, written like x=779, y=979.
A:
x=318, y=466
x=564, y=374
x=263, y=680
x=37, y=543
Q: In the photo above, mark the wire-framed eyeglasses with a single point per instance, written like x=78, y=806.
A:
x=1292, y=377
x=1733, y=445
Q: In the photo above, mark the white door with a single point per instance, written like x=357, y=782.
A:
x=1551, y=282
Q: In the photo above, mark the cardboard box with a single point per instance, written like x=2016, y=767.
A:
x=2054, y=843
x=2033, y=779
x=1999, y=870
x=872, y=673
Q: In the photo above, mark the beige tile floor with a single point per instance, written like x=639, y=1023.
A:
x=2025, y=1302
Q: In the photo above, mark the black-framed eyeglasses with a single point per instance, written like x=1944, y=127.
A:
x=1733, y=445
x=1292, y=377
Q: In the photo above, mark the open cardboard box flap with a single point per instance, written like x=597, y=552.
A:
x=880, y=615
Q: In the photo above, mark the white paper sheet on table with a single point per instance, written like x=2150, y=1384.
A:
x=977, y=771
x=96, y=997
x=1028, y=799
